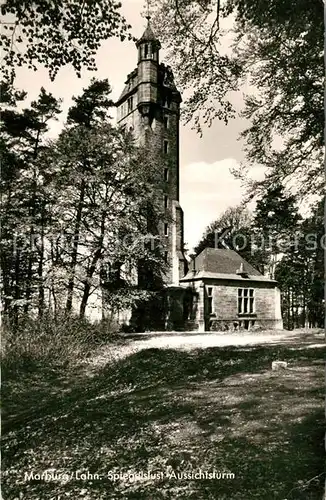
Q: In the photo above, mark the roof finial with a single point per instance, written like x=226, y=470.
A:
x=148, y=14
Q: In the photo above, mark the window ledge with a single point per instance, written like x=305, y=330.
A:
x=249, y=315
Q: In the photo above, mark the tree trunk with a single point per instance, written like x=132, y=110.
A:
x=29, y=276
x=91, y=270
x=17, y=290
x=288, y=308
x=32, y=215
x=292, y=310
x=40, y=269
x=73, y=263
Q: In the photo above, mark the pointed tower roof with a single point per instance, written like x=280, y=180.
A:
x=148, y=35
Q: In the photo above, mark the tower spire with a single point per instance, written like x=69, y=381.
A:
x=148, y=13
x=148, y=35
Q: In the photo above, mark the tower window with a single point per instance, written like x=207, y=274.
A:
x=166, y=101
x=166, y=122
x=130, y=104
x=166, y=229
x=166, y=254
x=166, y=201
x=166, y=174
x=146, y=50
x=166, y=147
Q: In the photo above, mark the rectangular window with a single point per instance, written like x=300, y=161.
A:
x=130, y=104
x=210, y=299
x=166, y=174
x=251, y=301
x=166, y=201
x=166, y=229
x=246, y=301
x=166, y=122
x=166, y=147
x=166, y=254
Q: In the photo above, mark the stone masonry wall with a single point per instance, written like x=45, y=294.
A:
x=162, y=125
x=225, y=303
x=225, y=315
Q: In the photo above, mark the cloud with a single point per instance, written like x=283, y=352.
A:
x=206, y=191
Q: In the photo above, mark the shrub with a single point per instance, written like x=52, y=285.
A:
x=50, y=342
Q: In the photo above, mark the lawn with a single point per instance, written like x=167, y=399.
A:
x=157, y=413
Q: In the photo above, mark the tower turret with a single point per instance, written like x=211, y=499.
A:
x=148, y=60
x=148, y=45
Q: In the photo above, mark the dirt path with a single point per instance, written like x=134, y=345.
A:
x=188, y=342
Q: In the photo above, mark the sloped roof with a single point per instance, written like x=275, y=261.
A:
x=223, y=264
x=148, y=35
x=223, y=261
x=128, y=89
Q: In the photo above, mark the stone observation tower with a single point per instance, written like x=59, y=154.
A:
x=149, y=106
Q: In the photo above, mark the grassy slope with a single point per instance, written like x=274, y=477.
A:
x=164, y=410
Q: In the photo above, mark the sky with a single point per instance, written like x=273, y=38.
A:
x=207, y=187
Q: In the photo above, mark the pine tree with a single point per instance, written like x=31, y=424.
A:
x=23, y=144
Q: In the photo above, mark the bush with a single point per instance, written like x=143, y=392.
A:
x=50, y=342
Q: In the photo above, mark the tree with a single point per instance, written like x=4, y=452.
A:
x=105, y=185
x=261, y=236
x=278, y=49
x=300, y=274
x=54, y=34
x=90, y=109
x=231, y=230
x=275, y=223
x=103, y=189
x=24, y=207
x=75, y=209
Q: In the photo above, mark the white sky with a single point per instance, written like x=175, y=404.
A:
x=207, y=187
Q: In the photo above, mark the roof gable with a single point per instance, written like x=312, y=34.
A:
x=223, y=261
x=223, y=264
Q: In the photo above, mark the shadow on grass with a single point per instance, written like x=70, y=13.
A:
x=166, y=410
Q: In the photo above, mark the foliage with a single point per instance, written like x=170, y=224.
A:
x=276, y=220
x=278, y=51
x=205, y=73
x=256, y=236
x=50, y=343
x=300, y=273
x=25, y=198
x=230, y=228
x=54, y=34
x=282, y=52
